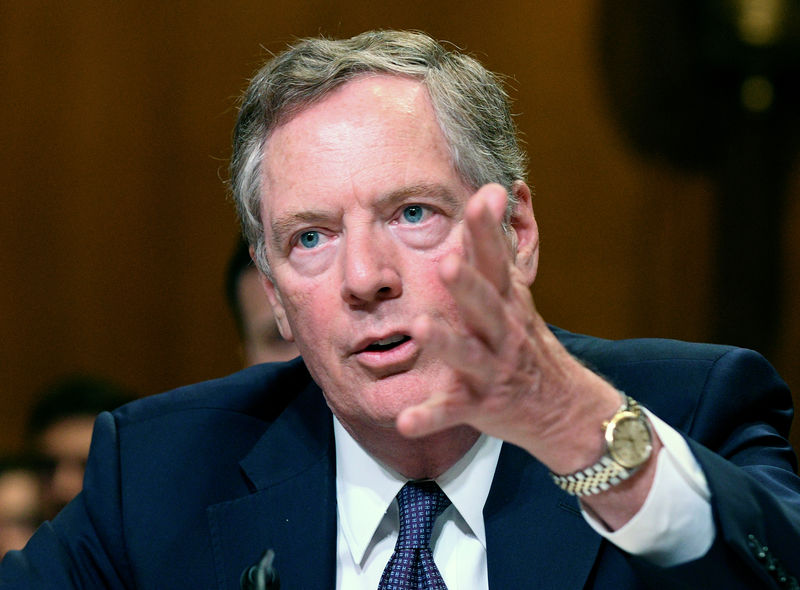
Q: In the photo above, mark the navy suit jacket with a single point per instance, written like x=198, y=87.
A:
x=186, y=489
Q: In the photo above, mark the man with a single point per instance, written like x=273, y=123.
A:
x=260, y=339
x=380, y=185
x=19, y=502
x=60, y=432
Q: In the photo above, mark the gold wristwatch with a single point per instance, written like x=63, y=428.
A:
x=629, y=443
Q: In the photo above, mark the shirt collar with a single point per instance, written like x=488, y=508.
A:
x=365, y=488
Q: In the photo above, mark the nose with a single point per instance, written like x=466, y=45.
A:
x=370, y=272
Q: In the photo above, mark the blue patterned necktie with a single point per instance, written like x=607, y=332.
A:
x=411, y=566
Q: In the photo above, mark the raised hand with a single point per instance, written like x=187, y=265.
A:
x=514, y=379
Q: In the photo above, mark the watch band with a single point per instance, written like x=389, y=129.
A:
x=604, y=474
x=595, y=479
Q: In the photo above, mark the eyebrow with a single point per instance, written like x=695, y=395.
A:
x=436, y=191
x=287, y=223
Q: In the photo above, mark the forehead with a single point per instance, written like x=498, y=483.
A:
x=377, y=132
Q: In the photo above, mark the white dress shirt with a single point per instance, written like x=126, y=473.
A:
x=676, y=510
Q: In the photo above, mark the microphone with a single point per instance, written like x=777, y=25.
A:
x=261, y=576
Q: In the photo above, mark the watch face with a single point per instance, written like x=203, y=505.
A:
x=630, y=443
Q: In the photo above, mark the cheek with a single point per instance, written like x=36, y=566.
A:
x=429, y=289
x=311, y=310
x=446, y=307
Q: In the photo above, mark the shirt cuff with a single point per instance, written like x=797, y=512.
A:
x=675, y=524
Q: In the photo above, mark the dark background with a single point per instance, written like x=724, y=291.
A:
x=115, y=227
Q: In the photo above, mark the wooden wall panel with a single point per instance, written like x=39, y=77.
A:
x=116, y=121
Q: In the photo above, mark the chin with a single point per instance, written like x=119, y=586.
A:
x=376, y=407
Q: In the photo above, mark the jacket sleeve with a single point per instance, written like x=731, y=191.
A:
x=742, y=419
x=84, y=546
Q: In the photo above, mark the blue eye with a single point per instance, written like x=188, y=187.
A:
x=413, y=213
x=309, y=239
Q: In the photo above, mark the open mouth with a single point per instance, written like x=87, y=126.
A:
x=387, y=343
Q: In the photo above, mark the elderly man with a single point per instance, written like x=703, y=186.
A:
x=435, y=432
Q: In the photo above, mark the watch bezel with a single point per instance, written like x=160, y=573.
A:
x=611, y=429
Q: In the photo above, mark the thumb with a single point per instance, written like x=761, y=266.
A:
x=432, y=415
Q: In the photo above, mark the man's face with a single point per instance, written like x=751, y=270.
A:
x=360, y=202
x=66, y=445
x=19, y=508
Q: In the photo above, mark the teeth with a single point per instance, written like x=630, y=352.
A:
x=389, y=340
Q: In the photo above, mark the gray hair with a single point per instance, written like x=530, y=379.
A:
x=470, y=103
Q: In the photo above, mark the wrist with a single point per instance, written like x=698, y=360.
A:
x=578, y=441
x=628, y=446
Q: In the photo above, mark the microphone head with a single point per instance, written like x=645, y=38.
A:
x=261, y=576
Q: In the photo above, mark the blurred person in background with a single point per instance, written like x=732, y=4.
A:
x=261, y=342
x=20, y=496
x=60, y=432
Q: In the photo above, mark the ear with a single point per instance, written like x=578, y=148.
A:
x=278, y=309
x=527, y=232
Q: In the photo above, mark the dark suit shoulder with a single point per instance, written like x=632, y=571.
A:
x=602, y=351
x=690, y=385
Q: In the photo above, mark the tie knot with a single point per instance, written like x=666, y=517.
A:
x=421, y=503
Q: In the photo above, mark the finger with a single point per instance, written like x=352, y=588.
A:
x=466, y=355
x=478, y=300
x=490, y=251
x=434, y=414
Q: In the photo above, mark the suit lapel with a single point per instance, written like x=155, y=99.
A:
x=292, y=509
x=535, y=534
